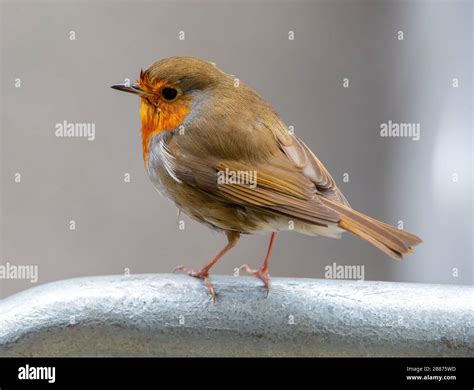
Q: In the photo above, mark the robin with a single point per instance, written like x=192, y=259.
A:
x=227, y=160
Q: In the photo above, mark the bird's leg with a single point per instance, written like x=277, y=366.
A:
x=262, y=272
x=232, y=238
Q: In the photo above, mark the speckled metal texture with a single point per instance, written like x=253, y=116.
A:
x=172, y=315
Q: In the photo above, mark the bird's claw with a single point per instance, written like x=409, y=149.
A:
x=202, y=274
x=260, y=273
x=182, y=268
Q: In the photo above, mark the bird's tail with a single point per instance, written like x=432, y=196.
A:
x=390, y=240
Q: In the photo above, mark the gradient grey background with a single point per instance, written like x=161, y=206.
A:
x=128, y=225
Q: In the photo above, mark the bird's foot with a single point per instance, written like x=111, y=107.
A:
x=202, y=274
x=261, y=273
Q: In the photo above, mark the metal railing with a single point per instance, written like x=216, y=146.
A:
x=172, y=315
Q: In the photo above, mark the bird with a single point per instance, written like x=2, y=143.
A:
x=224, y=156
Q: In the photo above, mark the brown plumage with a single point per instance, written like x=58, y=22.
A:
x=198, y=124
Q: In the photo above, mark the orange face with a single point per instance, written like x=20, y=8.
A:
x=163, y=107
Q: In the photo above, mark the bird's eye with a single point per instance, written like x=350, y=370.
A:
x=169, y=93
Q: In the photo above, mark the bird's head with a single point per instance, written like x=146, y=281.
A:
x=169, y=90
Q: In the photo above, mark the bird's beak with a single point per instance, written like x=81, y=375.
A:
x=132, y=88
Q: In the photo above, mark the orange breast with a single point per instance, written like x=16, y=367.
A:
x=154, y=121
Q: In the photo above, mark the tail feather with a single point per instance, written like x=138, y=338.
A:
x=390, y=240
x=378, y=244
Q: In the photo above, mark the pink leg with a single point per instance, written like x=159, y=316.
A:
x=232, y=238
x=262, y=273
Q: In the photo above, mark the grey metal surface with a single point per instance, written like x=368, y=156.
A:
x=172, y=315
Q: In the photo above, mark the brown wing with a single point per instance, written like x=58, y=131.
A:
x=310, y=166
x=280, y=187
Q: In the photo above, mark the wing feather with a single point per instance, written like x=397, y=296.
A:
x=280, y=186
x=310, y=166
